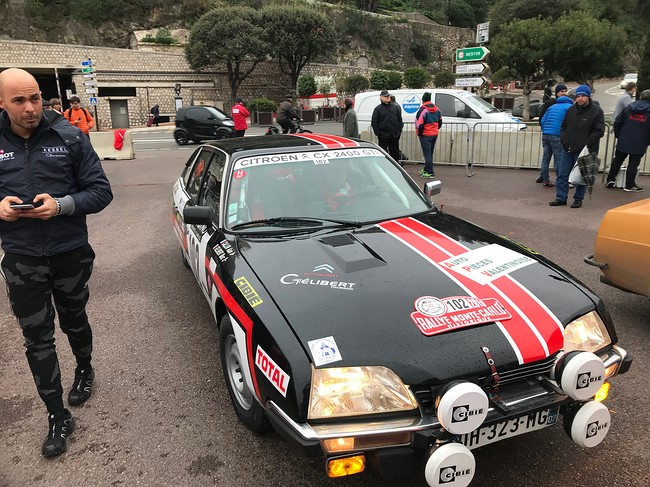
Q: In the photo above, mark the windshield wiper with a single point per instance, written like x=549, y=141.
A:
x=298, y=220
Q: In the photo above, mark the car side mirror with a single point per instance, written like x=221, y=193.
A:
x=197, y=215
x=432, y=188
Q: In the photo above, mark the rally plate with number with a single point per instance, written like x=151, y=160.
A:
x=509, y=428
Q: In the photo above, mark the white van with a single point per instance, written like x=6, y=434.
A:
x=456, y=106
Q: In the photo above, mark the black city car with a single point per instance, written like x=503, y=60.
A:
x=199, y=123
x=365, y=325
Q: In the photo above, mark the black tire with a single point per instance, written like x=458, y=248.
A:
x=246, y=406
x=185, y=262
x=181, y=137
x=222, y=134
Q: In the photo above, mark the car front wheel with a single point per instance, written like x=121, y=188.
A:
x=249, y=411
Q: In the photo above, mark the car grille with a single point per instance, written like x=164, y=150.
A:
x=425, y=394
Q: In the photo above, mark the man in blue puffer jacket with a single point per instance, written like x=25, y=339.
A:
x=50, y=179
x=632, y=129
x=551, y=123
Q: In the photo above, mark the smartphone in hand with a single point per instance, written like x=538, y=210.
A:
x=21, y=206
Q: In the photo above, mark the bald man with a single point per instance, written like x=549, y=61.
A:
x=50, y=179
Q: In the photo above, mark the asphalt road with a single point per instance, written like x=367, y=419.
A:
x=161, y=415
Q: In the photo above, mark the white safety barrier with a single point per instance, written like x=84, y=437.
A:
x=494, y=145
x=104, y=145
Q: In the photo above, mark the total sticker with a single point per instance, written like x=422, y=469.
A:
x=324, y=351
x=437, y=315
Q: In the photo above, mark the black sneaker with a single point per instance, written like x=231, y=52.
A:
x=540, y=180
x=557, y=203
x=82, y=387
x=576, y=204
x=61, y=426
x=610, y=184
x=633, y=189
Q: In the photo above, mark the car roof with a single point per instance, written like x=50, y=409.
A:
x=263, y=143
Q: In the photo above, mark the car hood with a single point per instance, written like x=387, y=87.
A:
x=406, y=295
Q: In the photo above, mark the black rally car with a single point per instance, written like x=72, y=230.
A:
x=364, y=324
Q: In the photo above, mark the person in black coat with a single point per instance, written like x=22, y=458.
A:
x=583, y=125
x=387, y=125
x=632, y=129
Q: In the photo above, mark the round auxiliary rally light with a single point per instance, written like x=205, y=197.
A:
x=462, y=407
x=450, y=465
x=579, y=374
x=589, y=425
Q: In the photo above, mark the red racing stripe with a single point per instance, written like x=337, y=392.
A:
x=523, y=341
x=241, y=316
x=545, y=323
x=530, y=312
x=329, y=141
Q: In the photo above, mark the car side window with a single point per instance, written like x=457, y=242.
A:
x=197, y=113
x=187, y=172
x=450, y=106
x=211, y=191
x=197, y=175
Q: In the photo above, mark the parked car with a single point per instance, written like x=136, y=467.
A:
x=628, y=78
x=533, y=110
x=456, y=106
x=622, y=248
x=367, y=326
x=198, y=123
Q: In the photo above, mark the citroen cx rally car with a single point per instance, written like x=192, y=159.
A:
x=364, y=324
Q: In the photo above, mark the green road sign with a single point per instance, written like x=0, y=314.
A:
x=471, y=54
x=88, y=69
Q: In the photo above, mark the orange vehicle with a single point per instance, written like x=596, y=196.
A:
x=622, y=248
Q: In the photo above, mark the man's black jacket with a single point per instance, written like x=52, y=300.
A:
x=387, y=121
x=56, y=159
x=582, y=126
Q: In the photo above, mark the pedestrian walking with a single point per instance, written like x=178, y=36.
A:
x=51, y=169
x=350, y=123
x=428, y=121
x=583, y=125
x=551, y=123
x=632, y=130
x=78, y=116
x=239, y=116
x=155, y=114
x=386, y=123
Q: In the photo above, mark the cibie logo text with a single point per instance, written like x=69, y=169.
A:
x=449, y=474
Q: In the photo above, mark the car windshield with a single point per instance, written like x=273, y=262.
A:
x=216, y=113
x=478, y=101
x=631, y=76
x=318, y=188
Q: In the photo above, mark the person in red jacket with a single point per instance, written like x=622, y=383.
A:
x=428, y=121
x=239, y=115
x=79, y=117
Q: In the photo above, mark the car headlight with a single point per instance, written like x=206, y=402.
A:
x=586, y=333
x=228, y=123
x=354, y=391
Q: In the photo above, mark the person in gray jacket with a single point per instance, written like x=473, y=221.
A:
x=350, y=124
x=50, y=179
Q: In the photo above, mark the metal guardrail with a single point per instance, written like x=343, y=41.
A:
x=494, y=145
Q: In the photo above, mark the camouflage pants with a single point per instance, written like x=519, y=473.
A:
x=32, y=284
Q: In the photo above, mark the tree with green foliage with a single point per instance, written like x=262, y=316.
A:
x=355, y=84
x=444, y=79
x=594, y=48
x=522, y=46
x=385, y=80
x=298, y=35
x=416, y=77
x=233, y=36
x=505, y=11
x=306, y=86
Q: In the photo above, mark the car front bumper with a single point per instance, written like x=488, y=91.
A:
x=513, y=400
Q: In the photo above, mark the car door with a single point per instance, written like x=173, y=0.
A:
x=200, y=123
x=191, y=190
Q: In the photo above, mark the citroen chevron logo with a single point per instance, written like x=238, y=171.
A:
x=324, y=268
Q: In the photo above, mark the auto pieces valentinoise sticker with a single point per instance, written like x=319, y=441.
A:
x=438, y=315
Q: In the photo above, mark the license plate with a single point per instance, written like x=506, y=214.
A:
x=509, y=428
